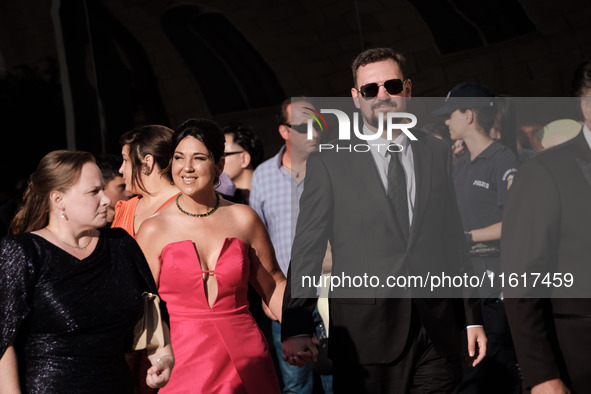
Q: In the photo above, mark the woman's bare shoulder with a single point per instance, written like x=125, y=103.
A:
x=241, y=213
x=157, y=223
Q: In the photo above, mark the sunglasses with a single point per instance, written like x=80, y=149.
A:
x=300, y=128
x=392, y=86
x=226, y=154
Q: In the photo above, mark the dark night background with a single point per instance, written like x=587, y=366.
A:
x=78, y=73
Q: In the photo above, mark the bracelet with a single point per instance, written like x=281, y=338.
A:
x=168, y=355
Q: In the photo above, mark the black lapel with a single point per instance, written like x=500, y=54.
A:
x=584, y=156
x=375, y=187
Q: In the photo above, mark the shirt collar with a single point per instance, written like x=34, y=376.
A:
x=279, y=156
x=587, y=134
x=490, y=151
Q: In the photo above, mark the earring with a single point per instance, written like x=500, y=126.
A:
x=146, y=170
x=63, y=215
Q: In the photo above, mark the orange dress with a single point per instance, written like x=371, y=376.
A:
x=125, y=213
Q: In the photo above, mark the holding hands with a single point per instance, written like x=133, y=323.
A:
x=300, y=350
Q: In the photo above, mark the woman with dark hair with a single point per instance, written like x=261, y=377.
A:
x=71, y=294
x=203, y=251
x=146, y=154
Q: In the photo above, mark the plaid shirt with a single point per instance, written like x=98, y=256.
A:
x=275, y=196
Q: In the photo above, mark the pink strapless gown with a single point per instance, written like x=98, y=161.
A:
x=218, y=349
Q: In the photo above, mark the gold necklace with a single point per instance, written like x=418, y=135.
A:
x=199, y=215
x=70, y=245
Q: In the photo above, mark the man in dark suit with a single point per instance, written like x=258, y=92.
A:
x=546, y=228
x=389, y=218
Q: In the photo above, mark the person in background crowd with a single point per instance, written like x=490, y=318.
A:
x=71, y=293
x=504, y=127
x=146, y=155
x=203, y=251
x=114, y=182
x=277, y=185
x=483, y=173
x=383, y=212
x=243, y=152
x=437, y=130
x=546, y=228
x=527, y=140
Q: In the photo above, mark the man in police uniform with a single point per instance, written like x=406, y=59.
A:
x=482, y=175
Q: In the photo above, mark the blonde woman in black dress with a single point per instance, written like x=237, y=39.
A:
x=71, y=294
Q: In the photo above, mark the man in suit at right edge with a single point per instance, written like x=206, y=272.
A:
x=547, y=227
x=393, y=213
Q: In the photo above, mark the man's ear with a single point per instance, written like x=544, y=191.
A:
x=408, y=88
x=284, y=132
x=356, y=97
x=245, y=159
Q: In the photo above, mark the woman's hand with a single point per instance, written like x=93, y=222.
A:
x=458, y=147
x=162, y=360
x=159, y=373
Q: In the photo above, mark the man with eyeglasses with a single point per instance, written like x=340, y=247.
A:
x=243, y=152
x=391, y=212
x=277, y=185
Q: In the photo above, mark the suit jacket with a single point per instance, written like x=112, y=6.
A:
x=546, y=227
x=344, y=201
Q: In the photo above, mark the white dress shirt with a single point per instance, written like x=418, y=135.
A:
x=587, y=134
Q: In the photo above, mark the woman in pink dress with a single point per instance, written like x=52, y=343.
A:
x=203, y=251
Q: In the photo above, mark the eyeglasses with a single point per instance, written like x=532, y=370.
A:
x=300, y=128
x=226, y=154
x=392, y=86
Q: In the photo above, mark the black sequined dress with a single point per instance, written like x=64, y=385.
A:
x=73, y=319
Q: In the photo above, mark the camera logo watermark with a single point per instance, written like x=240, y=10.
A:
x=393, y=121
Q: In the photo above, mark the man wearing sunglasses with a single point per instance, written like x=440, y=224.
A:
x=382, y=215
x=277, y=185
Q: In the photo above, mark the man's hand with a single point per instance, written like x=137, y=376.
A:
x=554, y=386
x=476, y=336
x=300, y=350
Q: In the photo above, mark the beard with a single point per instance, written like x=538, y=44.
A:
x=371, y=116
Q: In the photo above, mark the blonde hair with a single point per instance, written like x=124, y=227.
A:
x=57, y=171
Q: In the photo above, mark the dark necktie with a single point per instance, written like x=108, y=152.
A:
x=397, y=192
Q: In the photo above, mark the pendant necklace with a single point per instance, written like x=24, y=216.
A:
x=293, y=172
x=199, y=215
x=70, y=245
